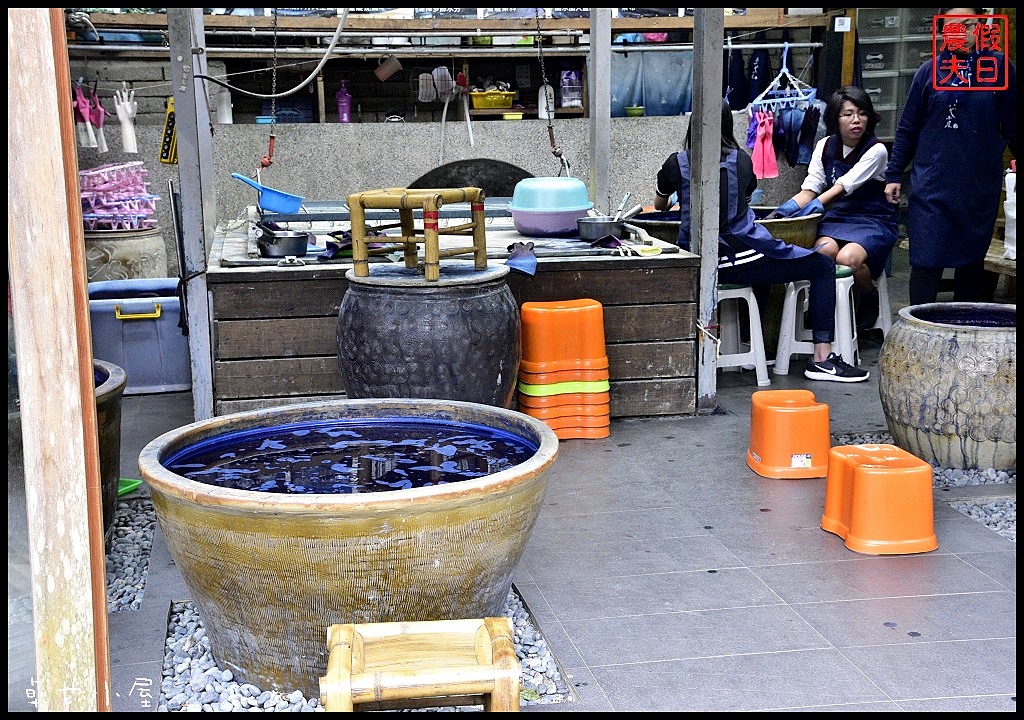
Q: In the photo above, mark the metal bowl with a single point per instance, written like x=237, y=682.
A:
x=282, y=243
x=599, y=226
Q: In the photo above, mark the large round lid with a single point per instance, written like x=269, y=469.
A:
x=550, y=193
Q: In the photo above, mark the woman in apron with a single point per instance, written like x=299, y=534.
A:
x=846, y=180
x=748, y=254
x=955, y=136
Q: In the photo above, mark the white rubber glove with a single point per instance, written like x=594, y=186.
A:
x=126, y=107
x=96, y=116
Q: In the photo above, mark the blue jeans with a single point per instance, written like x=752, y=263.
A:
x=818, y=269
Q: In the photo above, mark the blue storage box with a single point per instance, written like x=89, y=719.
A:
x=135, y=326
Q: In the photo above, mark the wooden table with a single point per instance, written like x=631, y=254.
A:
x=274, y=327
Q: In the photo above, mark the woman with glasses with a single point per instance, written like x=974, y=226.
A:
x=846, y=181
x=954, y=136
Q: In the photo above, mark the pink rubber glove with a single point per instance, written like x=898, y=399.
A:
x=86, y=137
x=96, y=116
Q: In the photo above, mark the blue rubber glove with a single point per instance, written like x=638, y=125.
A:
x=785, y=210
x=814, y=206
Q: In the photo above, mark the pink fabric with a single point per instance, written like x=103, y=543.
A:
x=763, y=156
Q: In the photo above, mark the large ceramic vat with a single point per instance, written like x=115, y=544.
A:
x=457, y=338
x=110, y=382
x=947, y=379
x=271, y=572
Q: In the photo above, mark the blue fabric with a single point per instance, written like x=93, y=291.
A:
x=814, y=206
x=759, y=74
x=626, y=82
x=786, y=209
x=808, y=132
x=954, y=140
x=667, y=82
x=735, y=79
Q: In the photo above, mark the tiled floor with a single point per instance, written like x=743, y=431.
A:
x=666, y=575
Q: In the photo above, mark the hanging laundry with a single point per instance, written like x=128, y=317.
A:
x=759, y=71
x=794, y=120
x=763, y=157
x=808, y=133
x=734, y=79
x=751, y=130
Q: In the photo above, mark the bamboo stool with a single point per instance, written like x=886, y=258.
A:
x=395, y=665
x=430, y=201
x=879, y=499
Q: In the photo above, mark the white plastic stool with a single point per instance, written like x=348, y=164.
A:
x=731, y=353
x=884, y=321
x=795, y=338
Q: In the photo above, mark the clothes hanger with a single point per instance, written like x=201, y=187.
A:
x=775, y=96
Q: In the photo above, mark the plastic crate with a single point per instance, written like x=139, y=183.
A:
x=492, y=99
x=135, y=326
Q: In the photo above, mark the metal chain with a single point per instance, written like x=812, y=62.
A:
x=555, y=150
x=273, y=80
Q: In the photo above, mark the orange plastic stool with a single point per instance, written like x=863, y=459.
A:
x=879, y=499
x=575, y=432
x=563, y=335
x=562, y=399
x=561, y=411
x=789, y=434
x=560, y=376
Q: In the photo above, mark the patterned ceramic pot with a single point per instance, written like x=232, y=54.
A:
x=271, y=571
x=455, y=339
x=125, y=254
x=948, y=384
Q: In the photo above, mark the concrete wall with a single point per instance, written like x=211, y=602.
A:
x=331, y=161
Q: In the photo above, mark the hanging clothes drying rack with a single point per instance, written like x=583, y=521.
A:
x=795, y=93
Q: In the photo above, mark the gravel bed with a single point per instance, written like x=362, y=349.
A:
x=193, y=682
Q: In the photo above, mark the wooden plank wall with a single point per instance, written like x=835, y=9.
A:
x=275, y=337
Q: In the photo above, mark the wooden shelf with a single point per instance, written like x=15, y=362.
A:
x=755, y=19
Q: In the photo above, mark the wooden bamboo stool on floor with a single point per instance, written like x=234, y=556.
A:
x=395, y=665
x=430, y=202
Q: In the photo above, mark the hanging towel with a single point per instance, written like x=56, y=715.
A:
x=763, y=157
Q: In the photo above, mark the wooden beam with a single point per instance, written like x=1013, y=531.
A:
x=49, y=296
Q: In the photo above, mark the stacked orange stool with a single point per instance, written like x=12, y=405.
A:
x=878, y=498
x=563, y=373
x=789, y=434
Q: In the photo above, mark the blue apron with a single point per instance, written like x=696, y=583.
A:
x=864, y=216
x=957, y=172
x=741, y=240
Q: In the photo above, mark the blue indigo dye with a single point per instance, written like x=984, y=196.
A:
x=350, y=456
x=968, y=314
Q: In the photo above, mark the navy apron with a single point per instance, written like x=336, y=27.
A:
x=864, y=216
x=742, y=239
x=956, y=176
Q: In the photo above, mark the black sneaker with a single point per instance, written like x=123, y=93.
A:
x=834, y=369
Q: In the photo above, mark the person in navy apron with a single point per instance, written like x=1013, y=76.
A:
x=955, y=140
x=846, y=181
x=748, y=254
